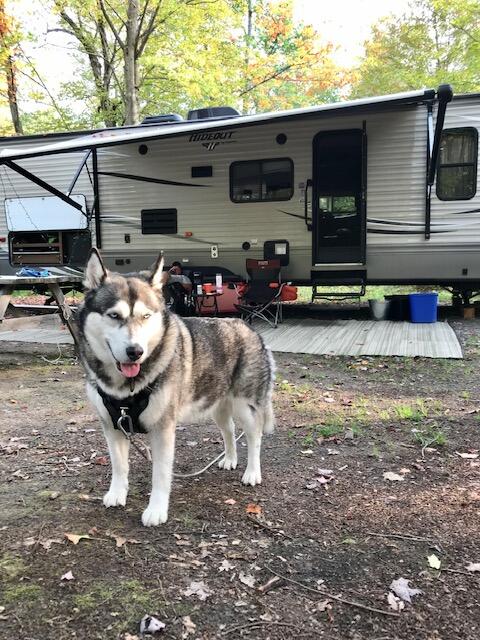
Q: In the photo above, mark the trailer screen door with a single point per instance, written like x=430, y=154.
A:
x=338, y=200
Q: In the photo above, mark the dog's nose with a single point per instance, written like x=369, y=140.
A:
x=134, y=352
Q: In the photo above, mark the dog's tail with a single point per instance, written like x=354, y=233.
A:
x=268, y=417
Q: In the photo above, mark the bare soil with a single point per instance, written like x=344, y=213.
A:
x=338, y=541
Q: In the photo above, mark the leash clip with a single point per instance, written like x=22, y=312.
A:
x=125, y=423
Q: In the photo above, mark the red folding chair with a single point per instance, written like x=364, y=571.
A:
x=262, y=298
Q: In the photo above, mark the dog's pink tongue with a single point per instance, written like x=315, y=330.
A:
x=130, y=370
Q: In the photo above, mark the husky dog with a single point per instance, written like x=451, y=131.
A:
x=146, y=363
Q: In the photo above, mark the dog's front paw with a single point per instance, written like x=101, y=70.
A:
x=252, y=477
x=115, y=498
x=228, y=463
x=153, y=516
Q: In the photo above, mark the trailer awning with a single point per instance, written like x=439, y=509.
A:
x=126, y=135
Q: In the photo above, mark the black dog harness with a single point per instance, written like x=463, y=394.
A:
x=125, y=413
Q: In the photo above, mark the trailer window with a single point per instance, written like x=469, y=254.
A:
x=261, y=180
x=457, y=168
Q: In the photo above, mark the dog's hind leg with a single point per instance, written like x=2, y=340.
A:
x=223, y=417
x=252, y=421
x=118, y=447
x=162, y=439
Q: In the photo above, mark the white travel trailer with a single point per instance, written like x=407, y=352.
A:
x=380, y=190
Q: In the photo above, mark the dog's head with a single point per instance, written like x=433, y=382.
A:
x=123, y=316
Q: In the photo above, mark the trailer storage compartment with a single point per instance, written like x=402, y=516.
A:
x=49, y=248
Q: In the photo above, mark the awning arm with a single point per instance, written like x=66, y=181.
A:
x=445, y=95
x=78, y=172
x=44, y=185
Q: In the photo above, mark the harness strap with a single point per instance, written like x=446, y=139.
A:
x=125, y=413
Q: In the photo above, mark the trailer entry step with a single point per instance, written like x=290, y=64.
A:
x=324, y=283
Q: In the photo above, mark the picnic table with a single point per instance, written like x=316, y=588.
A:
x=8, y=284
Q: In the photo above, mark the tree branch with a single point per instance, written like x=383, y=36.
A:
x=116, y=33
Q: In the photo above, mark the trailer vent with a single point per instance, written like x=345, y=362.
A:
x=163, y=118
x=212, y=112
x=161, y=221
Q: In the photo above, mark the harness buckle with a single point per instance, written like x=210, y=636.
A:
x=125, y=423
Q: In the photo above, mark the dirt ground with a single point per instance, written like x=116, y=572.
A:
x=325, y=519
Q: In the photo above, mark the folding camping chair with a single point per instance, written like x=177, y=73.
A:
x=262, y=298
x=178, y=300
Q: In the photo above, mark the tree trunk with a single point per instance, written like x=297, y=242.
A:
x=132, y=111
x=12, y=96
x=245, y=93
x=9, y=70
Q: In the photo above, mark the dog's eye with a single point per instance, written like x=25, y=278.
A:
x=113, y=315
x=146, y=316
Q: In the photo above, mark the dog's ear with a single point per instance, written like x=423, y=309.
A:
x=95, y=272
x=158, y=277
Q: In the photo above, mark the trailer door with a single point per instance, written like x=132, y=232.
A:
x=338, y=197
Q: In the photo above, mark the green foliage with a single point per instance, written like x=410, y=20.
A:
x=431, y=435
x=415, y=413
x=435, y=42
x=286, y=63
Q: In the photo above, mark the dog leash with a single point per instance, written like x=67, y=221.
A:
x=129, y=432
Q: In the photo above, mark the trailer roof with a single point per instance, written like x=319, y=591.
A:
x=126, y=135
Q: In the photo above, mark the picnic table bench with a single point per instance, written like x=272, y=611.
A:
x=8, y=284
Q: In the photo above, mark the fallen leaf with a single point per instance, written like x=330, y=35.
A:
x=393, y=477
x=119, y=540
x=46, y=544
x=102, y=460
x=199, y=589
x=253, y=508
x=434, y=561
x=188, y=625
x=401, y=589
x=247, y=579
x=230, y=501
x=54, y=494
x=226, y=566
x=150, y=624
x=467, y=456
x=473, y=566
x=68, y=576
x=323, y=606
x=75, y=538
x=332, y=452
x=394, y=602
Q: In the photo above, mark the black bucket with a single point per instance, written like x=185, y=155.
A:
x=399, y=308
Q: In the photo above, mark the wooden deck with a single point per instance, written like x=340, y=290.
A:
x=363, y=337
x=322, y=337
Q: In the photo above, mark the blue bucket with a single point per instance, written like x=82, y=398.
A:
x=423, y=307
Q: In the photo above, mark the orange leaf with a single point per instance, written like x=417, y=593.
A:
x=254, y=508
